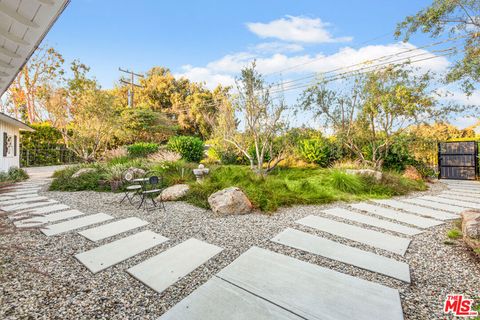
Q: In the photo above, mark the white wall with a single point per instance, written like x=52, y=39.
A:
x=9, y=161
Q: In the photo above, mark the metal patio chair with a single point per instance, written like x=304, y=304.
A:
x=152, y=188
x=133, y=188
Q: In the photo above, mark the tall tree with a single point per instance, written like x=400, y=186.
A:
x=40, y=73
x=379, y=107
x=263, y=121
x=85, y=114
x=459, y=18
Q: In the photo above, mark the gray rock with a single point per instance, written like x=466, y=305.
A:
x=230, y=201
x=471, y=228
x=174, y=192
x=366, y=172
x=83, y=171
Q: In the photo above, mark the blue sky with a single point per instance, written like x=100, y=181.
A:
x=211, y=40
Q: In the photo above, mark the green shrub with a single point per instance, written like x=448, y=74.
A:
x=398, y=156
x=316, y=151
x=13, y=174
x=454, y=234
x=346, y=182
x=424, y=170
x=17, y=174
x=142, y=149
x=191, y=148
x=63, y=180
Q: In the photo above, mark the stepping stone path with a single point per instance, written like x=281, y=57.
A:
x=459, y=197
x=411, y=219
x=369, y=237
x=76, y=223
x=416, y=209
x=17, y=201
x=261, y=284
x=346, y=254
x=114, y=252
x=379, y=223
x=435, y=205
x=166, y=268
x=45, y=209
x=36, y=221
x=29, y=205
x=113, y=228
x=311, y=291
x=459, y=203
x=219, y=300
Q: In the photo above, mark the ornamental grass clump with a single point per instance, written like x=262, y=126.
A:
x=346, y=182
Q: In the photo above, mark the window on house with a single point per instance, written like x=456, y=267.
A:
x=8, y=145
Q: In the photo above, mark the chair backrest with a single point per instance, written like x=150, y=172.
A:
x=128, y=175
x=153, y=180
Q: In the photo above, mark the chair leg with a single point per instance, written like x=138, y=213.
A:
x=124, y=197
x=141, y=202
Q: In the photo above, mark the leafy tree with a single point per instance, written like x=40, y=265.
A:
x=141, y=123
x=380, y=106
x=457, y=18
x=190, y=105
x=42, y=71
x=263, y=122
x=85, y=115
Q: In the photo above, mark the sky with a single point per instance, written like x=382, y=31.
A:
x=210, y=41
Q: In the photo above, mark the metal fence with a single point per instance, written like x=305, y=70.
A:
x=47, y=156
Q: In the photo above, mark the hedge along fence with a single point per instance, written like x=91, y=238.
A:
x=55, y=155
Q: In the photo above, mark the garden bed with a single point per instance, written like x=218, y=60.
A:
x=282, y=187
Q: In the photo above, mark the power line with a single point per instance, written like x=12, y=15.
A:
x=355, y=72
x=311, y=61
x=388, y=56
x=405, y=59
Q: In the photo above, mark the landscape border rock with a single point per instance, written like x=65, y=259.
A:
x=471, y=229
x=230, y=201
x=174, y=193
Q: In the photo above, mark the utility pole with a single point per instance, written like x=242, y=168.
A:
x=131, y=82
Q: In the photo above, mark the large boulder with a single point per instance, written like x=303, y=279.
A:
x=412, y=173
x=83, y=171
x=230, y=201
x=471, y=229
x=366, y=172
x=174, y=192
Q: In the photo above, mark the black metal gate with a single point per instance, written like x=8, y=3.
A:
x=458, y=160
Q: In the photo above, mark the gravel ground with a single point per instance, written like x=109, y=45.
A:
x=70, y=291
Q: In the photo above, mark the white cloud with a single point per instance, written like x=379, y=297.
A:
x=206, y=76
x=276, y=47
x=295, y=29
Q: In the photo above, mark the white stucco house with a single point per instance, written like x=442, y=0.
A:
x=23, y=25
